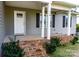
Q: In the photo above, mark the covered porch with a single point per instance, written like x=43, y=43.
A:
x=31, y=30
x=51, y=6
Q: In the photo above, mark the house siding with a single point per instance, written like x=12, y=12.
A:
x=73, y=28
x=31, y=22
x=58, y=25
x=2, y=28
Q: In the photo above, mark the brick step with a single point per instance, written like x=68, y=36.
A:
x=33, y=48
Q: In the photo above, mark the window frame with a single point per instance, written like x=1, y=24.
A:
x=66, y=21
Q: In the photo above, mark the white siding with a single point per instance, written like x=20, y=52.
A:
x=58, y=25
x=73, y=28
x=31, y=23
x=32, y=30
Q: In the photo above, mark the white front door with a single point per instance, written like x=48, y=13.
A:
x=19, y=23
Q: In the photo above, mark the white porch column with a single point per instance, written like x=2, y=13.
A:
x=43, y=13
x=69, y=18
x=48, y=19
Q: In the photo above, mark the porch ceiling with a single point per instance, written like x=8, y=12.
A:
x=25, y=4
x=37, y=5
x=67, y=4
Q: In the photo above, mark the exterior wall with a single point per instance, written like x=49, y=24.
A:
x=77, y=19
x=58, y=25
x=2, y=31
x=31, y=22
x=73, y=28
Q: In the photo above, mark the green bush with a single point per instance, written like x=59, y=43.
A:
x=51, y=47
x=74, y=41
x=11, y=49
x=55, y=41
x=77, y=27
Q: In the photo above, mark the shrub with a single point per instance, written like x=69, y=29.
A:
x=77, y=27
x=74, y=41
x=51, y=47
x=55, y=41
x=11, y=49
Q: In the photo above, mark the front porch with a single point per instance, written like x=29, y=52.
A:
x=35, y=46
x=27, y=26
x=34, y=29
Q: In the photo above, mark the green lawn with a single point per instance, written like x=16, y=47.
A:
x=66, y=51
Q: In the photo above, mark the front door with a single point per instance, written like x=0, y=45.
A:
x=19, y=23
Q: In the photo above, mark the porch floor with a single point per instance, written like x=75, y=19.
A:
x=23, y=38
x=31, y=45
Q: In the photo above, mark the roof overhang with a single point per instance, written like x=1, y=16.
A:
x=37, y=4
x=67, y=4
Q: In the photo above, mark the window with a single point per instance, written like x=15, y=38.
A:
x=37, y=20
x=19, y=14
x=65, y=21
x=45, y=20
x=53, y=21
x=71, y=22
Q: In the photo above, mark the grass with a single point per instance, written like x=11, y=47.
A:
x=66, y=51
